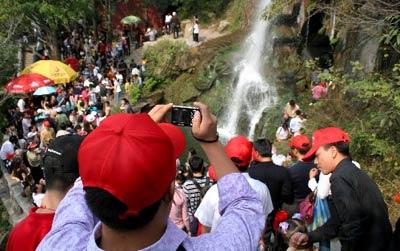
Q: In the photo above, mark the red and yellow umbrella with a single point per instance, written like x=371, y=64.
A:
x=57, y=71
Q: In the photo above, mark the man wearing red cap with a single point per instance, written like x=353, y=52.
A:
x=47, y=134
x=299, y=171
x=130, y=189
x=359, y=215
x=239, y=149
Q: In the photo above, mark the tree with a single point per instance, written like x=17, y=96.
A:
x=203, y=9
x=49, y=16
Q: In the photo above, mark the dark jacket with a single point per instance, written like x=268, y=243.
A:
x=299, y=175
x=359, y=215
x=276, y=178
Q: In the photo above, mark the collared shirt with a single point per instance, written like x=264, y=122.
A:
x=240, y=226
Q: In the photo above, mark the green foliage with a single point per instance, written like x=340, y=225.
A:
x=8, y=60
x=50, y=14
x=5, y=226
x=391, y=33
x=205, y=10
x=368, y=107
x=236, y=14
x=134, y=94
x=276, y=8
x=151, y=84
x=162, y=59
x=161, y=5
x=49, y=17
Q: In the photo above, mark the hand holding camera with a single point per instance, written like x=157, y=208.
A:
x=204, y=127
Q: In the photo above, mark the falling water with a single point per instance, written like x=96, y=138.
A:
x=252, y=94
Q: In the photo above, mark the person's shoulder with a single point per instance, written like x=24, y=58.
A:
x=300, y=165
x=254, y=183
x=188, y=182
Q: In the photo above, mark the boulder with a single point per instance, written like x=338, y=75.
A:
x=187, y=61
x=185, y=28
x=223, y=25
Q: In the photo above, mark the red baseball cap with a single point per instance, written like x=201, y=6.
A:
x=46, y=123
x=211, y=173
x=300, y=142
x=325, y=136
x=241, y=148
x=32, y=145
x=131, y=157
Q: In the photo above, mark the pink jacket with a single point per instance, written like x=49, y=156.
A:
x=318, y=91
x=179, y=211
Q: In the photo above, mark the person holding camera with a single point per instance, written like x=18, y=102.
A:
x=124, y=196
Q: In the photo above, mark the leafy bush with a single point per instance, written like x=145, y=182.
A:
x=368, y=107
x=162, y=59
x=205, y=10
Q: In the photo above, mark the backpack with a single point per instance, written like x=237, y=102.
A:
x=306, y=208
x=203, y=190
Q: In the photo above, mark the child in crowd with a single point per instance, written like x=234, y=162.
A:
x=288, y=228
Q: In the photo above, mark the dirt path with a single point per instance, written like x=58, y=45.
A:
x=205, y=35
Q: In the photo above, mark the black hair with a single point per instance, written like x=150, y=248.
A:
x=298, y=112
x=341, y=146
x=263, y=147
x=56, y=179
x=180, y=178
x=13, y=139
x=63, y=125
x=192, y=151
x=196, y=164
x=109, y=209
x=304, y=149
x=292, y=102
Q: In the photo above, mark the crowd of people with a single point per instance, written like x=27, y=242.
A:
x=104, y=81
x=122, y=180
x=104, y=178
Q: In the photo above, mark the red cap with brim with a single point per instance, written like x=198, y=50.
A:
x=323, y=137
x=241, y=148
x=131, y=157
x=300, y=142
x=211, y=173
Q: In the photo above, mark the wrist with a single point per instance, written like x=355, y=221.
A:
x=207, y=140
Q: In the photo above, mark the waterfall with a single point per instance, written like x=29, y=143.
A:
x=252, y=94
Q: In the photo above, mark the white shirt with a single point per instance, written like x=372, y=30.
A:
x=87, y=83
x=196, y=29
x=281, y=133
x=62, y=133
x=38, y=198
x=117, y=85
x=323, y=186
x=296, y=124
x=21, y=105
x=168, y=18
x=208, y=214
x=6, y=148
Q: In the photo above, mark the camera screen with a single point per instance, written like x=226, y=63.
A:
x=182, y=116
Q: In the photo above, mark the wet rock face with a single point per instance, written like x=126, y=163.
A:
x=16, y=205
